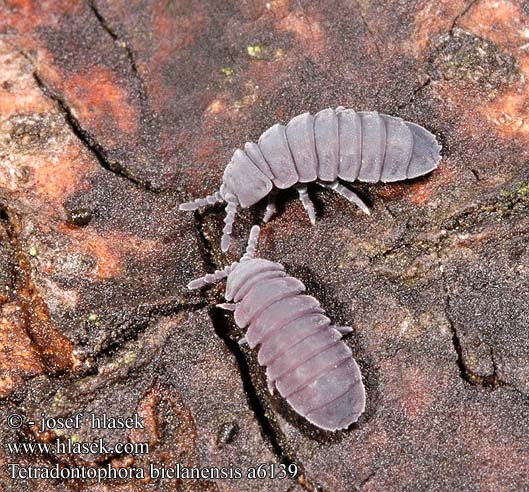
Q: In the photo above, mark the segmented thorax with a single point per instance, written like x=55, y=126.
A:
x=334, y=143
x=306, y=359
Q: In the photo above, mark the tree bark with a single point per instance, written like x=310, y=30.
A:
x=113, y=113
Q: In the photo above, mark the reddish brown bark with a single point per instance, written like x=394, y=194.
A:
x=118, y=111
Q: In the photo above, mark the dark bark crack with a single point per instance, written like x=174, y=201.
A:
x=475, y=174
x=122, y=44
x=366, y=480
x=460, y=15
x=368, y=29
x=141, y=318
x=429, y=79
x=269, y=430
x=456, y=342
x=491, y=381
x=24, y=293
x=491, y=208
x=415, y=92
x=96, y=149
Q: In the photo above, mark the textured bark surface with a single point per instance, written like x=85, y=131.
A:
x=111, y=113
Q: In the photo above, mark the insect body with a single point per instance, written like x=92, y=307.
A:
x=331, y=145
x=306, y=359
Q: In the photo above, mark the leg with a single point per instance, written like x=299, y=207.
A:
x=201, y=202
x=231, y=210
x=307, y=202
x=228, y=306
x=342, y=329
x=271, y=206
x=348, y=194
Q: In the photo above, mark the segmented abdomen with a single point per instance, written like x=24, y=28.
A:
x=310, y=365
x=342, y=143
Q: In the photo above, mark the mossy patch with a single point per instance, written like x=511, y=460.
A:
x=228, y=71
x=470, y=59
x=255, y=51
